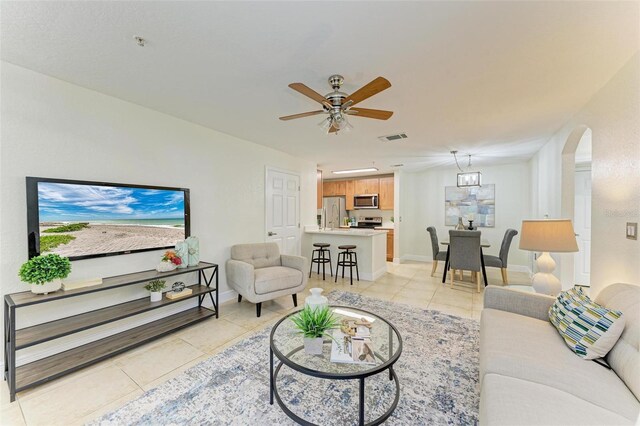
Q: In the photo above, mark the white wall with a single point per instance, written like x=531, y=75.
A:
x=422, y=205
x=612, y=114
x=51, y=128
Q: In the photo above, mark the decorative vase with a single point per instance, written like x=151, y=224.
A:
x=313, y=345
x=165, y=267
x=460, y=225
x=194, y=250
x=470, y=228
x=182, y=251
x=156, y=296
x=316, y=300
x=46, y=288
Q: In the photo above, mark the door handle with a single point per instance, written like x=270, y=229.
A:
x=271, y=234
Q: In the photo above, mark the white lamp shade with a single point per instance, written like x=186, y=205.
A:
x=549, y=235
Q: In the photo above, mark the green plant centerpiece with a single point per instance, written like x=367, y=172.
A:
x=155, y=289
x=314, y=324
x=45, y=273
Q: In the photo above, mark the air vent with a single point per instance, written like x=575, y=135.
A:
x=390, y=138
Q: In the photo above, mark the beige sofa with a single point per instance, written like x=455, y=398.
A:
x=259, y=272
x=529, y=376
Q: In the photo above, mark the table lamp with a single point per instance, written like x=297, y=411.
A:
x=549, y=235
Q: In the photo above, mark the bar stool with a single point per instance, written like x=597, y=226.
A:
x=353, y=261
x=323, y=248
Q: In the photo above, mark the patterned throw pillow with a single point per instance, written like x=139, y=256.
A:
x=590, y=330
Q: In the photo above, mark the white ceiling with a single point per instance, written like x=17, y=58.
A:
x=494, y=79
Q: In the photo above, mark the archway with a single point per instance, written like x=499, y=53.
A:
x=567, y=206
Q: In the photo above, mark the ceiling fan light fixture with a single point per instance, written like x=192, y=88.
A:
x=325, y=124
x=338, y=104
x=339, y=120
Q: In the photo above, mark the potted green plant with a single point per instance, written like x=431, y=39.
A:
x=155, y=289
x=314, y=324
x=45, y=273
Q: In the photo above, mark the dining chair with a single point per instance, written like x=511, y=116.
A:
x=435, y=249
x=500, y=261
x=465, y=254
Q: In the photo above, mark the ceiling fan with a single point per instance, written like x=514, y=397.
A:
x=338, y=105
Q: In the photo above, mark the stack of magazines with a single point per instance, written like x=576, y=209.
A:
x=353, y=349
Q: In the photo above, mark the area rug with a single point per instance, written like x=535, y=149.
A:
x=438, y=373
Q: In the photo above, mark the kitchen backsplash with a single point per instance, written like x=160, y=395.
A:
x=386, y=215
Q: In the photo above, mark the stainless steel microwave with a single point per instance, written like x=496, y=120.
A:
x=365, y=201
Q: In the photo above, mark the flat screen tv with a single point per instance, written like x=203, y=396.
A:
x=81, y=219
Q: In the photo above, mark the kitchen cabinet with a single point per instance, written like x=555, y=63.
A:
x=319, y=189
x=367, y=186
x=350, y=191
x=385, y=201
x=333, y=188
x=390, y=246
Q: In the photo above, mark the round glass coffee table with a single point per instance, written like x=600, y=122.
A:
x=287, y=345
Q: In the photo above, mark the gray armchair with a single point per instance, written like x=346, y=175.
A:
x=501, y=260
x=259, y=272
x=464, y=253
x=435, y=249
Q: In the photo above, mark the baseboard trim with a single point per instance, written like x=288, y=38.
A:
x=415, y=258
x=519, y=268
x=427, y=259
x=364, y=276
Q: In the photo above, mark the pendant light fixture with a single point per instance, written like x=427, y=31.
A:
x=467, y=179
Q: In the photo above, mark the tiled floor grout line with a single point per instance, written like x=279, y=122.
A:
x=131, y=378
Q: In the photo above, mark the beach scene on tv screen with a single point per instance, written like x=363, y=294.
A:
x=83, y=220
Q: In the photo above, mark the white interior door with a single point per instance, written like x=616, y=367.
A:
x=582, y=226
x=283, y=210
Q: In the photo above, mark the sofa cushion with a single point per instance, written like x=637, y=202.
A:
x=276, y=278
x=260, y=255
x=530, y=349
x=624, y=358
x=510, y=401
x=589, y=329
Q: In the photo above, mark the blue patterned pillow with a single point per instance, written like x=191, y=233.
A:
x=590, y=330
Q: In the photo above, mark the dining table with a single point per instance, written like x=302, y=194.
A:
x=484, y=243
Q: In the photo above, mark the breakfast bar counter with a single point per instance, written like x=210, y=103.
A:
x=371, y=248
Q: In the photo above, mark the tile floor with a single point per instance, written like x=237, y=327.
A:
x=96, y=390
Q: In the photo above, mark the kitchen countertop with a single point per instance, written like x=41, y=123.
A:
x=347, y=232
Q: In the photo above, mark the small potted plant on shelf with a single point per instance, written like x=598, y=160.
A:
x=314, y=324
x=45, y=273
x=155, y=289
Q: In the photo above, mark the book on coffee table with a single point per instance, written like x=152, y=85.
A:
x=352, y=349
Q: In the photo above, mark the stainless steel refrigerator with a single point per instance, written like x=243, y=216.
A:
x=334, y=211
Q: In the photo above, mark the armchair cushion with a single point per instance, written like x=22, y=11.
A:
x=260, y=255
x=275, y=278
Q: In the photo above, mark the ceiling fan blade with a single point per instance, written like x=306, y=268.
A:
x=368, y=90
x=303, y=114
x=333, y=129
x=310, y=93
x=378, y=114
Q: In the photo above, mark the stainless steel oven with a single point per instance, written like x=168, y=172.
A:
x=365, y=201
